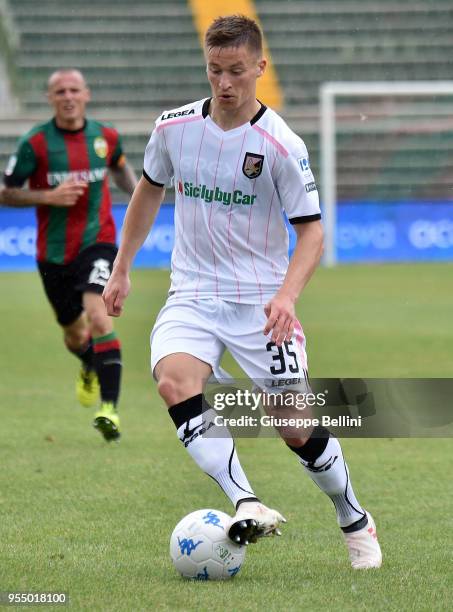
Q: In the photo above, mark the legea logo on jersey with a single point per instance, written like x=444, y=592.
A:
x=203, y=192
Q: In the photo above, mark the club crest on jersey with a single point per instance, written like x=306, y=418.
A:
x=253, y=165
x=100, y=146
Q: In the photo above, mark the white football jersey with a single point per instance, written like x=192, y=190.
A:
x=232, y=189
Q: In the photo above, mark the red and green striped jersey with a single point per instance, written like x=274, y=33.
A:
x=47, y=156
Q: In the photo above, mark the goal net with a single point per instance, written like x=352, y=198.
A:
x=387, y=143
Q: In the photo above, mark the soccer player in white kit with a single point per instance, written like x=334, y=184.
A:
x=236, y=167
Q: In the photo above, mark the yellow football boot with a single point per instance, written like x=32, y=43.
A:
x=87, y=387
x=107, y=422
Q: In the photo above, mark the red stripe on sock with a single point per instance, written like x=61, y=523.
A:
x=102, y=347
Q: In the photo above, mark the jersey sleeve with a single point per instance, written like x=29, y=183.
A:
x=297, y=187
x=20, y=166
x=118, y=159
x=157, y=165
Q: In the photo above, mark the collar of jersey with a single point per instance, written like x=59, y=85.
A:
x=235, y=131
x=63, y=131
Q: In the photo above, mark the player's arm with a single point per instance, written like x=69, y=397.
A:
x=140, y=216
x=124, y=177
x=122, y=173
x=299, y=198
x=66, y=194
x=21, y=167
x=280, y=310
x=304, y=260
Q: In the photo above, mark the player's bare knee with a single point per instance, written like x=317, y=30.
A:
x=173, y=390
x=75, y=339
x=169, y=390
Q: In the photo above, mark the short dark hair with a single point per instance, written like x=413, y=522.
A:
x=234, y=31
x=64, y=71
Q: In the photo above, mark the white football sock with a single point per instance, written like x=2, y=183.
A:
x=212, y=448
x=330, y=472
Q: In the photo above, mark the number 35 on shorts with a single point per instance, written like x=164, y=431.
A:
x=285, y=358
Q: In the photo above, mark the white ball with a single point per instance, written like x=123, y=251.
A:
x=201, y=549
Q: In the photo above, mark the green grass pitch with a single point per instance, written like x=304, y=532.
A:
x=94, y=520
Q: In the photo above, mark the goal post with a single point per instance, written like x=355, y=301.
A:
x=329, y=93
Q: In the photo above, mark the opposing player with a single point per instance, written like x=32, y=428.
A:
x=66, y=161
x=236, y=167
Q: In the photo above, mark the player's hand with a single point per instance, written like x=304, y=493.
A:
x=67, y=193
x=115, y=292
x=281, y=318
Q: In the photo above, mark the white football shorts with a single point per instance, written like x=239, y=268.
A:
x=205, y=328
